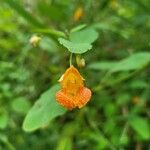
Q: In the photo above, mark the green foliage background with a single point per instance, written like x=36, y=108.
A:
x=115, y=35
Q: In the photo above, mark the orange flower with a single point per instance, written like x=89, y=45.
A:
x=78, y=14
x=73, y=93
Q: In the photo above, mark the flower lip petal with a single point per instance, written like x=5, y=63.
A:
x=64, y=100
x=84, y=96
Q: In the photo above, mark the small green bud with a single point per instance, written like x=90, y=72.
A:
x=80, y=61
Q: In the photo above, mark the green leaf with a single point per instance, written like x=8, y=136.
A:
x=133, y=62
x=73, y=47
x=102, y=65
x=43, y=111
x=3, y=120
x=87, y=35
x=80, y=42
x=21, y=105
x=141, y=126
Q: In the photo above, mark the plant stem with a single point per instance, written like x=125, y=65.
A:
x=70, y=60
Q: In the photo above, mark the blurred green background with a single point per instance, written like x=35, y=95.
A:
x=118, y=115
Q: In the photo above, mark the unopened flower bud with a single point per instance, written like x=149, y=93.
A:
x=35, y=40
x=80, y=61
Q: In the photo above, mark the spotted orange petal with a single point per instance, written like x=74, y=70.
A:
x=64, y=100
x=71, y=102
x=83, y=97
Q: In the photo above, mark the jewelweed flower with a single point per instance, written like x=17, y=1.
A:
x=73, y=93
